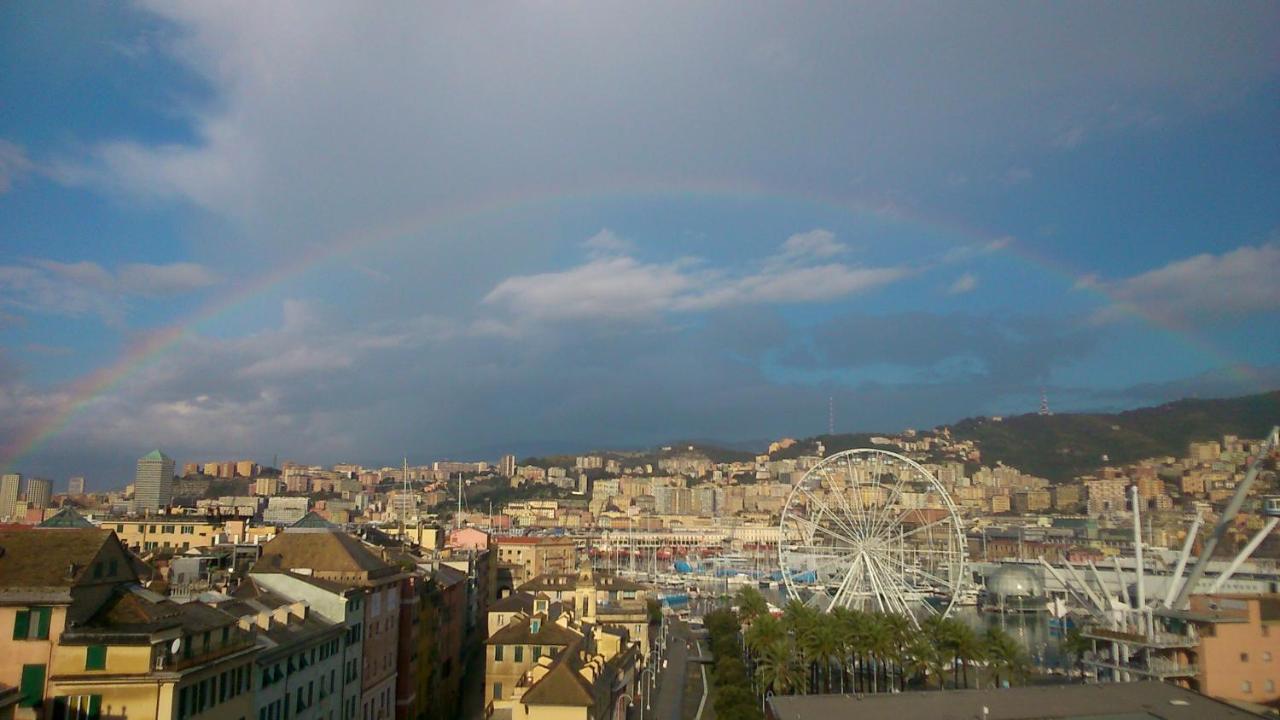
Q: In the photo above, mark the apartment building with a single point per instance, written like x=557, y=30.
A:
x=314, y=549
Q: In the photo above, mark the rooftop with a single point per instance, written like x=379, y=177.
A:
x=58, y=558
x=520, y=632
x=1106, y=701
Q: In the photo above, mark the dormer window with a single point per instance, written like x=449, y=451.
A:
x=535, y=625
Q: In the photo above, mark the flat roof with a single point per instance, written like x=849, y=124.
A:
x=1103, y=701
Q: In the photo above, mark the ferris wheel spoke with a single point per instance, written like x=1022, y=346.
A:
x=856, y=521
x=825, y=510
x=882, y=522
x=869, y=550
x=922, y=572
x=848, y=577
x=927, y=526
x=907, y=593
x=816, y=527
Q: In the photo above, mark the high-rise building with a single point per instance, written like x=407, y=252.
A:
x=153, y=485
x=10, y=484
x=75, y=486
x=508, y=468
x=38, y=492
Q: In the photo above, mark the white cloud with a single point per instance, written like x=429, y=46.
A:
x=813, y=244
x=86, y=288
x=606, y=243
x=158, y=280
x=622, y=287
x=963, y=284
x=312, y=131
x=1070, y=139
x=13, y=164
x=1201, y=288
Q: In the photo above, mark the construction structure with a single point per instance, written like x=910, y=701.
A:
x=1191, y=634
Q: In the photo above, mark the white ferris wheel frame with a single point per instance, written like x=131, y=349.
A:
x=875, y=575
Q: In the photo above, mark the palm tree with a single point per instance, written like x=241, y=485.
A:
x=941, y=634
x=1075, y=644
x=764, y=631
x=822, y=640
x=798, y=618
x=899, y=629
x=1006, y=655
x=777, y=668
x=751, y=604
x=967, y=646
x=924, y=657
x=880, y=647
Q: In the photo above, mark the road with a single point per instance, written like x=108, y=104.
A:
x=668, y=703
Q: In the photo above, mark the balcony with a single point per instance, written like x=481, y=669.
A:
x=1130, y=636
x=1157, y=668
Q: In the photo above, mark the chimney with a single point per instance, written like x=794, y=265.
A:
x=299, y=610
x=264, y=620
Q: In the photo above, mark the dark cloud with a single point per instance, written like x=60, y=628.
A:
x=1014, y=349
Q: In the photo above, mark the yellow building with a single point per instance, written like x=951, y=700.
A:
x=530, y=557
x=142, y=655
x=85, y=640
x=176, y=532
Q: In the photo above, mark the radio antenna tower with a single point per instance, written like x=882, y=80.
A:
x=831, y=415
x=1044, y=403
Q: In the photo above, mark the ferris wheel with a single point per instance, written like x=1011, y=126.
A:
x=872, y=530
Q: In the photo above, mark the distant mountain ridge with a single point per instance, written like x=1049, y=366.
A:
x=1060, y=447
x=1057, y=447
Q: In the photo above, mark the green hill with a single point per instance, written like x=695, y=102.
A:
x=1060, y=447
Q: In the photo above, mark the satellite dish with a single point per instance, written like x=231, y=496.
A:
x=175, y=646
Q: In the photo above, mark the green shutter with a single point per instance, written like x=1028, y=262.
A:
x=43, y=629
x=95, y=707
x=32, y=686
x=21, y=624
x=95, y=657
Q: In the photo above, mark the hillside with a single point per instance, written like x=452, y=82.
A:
x=1059, y=447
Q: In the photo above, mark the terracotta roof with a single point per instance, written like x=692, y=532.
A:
x=447, y=576
x=134, y=611
x=515, y=602
x=48, y=559
x=328, y=552
x=562, y=685
x=520, y=633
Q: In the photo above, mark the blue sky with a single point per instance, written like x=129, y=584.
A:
x=460, y=231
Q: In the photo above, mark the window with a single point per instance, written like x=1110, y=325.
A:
x=497, y=653
x=32, y=624
x=166, y=528
x=1246, y=687
x=497, y=691
x=112, y=568
x=519, y=653
x=95, y=657
x=182, y=702
x=31, y=687
x=86, y=707
x=537, y=652
x=1244, y=657
x=1271, y=686
x=97, y=570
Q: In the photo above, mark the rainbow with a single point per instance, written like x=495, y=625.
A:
x=84, y=391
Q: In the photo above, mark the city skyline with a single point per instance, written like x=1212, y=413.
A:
x=471, y=231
